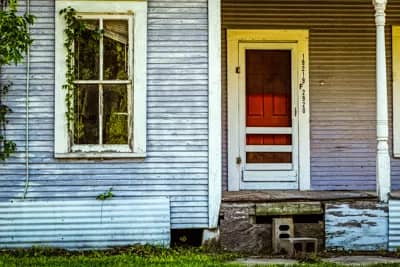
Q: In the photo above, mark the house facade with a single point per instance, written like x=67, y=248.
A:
x=221, y=101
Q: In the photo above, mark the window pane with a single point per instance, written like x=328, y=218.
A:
x=87, y=52
x=86, y=123
x=115, y=119
x=115, y=49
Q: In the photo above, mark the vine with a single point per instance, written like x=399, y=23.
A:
x=14, y=42
x=75, y=29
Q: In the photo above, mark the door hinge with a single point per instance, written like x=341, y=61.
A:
x=238, y=160
x=238, y=70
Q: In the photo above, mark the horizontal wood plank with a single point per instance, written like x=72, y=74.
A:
x=288, y=208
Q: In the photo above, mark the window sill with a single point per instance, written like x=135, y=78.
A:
x=98, y=155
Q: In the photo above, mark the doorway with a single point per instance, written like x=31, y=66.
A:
x=267, y=110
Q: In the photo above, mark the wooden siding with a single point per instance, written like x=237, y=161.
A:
x=177, y=127
x=342, y=56
x=356, y=226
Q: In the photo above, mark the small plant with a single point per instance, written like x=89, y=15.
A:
x=106, y=195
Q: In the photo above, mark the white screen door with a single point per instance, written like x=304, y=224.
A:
x=268, y=116
x=268, y=110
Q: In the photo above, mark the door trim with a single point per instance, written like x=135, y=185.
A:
x=299, y=38
x=214, y=113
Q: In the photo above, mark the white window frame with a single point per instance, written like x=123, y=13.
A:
x=137, y=148
x=396, y=89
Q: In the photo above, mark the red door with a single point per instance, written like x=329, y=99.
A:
x=268, y=102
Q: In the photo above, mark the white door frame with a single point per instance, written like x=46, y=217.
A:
x=299, y=40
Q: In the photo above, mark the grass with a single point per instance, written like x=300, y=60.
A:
x=127, y=257
x=121, y=257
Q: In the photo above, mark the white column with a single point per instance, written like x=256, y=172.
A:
x=382, y=121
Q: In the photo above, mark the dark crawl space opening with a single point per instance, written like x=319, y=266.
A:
x=186, y=237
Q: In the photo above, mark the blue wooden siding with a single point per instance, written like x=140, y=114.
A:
x=356, y=226
x=177, y=141
x=342, y=56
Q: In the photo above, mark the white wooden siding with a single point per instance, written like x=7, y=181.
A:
x=342, y=82
x=176, y=165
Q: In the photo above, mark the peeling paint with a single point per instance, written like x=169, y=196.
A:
x=350, y=224
x=360, y=225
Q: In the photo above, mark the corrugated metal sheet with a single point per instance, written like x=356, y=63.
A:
x=177, y=141
x=84, y=224
x=394, y=225
x=342, y=57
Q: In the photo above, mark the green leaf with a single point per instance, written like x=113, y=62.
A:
x=106, y=195
x=14, y=42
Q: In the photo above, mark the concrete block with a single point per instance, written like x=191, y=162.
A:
x=281, y=228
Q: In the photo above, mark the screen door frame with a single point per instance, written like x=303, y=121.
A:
x=272, y=175
x=298, y=177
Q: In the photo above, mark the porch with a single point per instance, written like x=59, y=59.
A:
x=343, y=220
x=338, y=138
x=293, y=195
x=331, y=167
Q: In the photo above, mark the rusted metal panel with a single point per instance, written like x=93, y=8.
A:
x=356, y=226
x=85, y=224
x=176, y=165
x=342, y=81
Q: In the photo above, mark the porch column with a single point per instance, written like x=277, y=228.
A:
x=382, y=122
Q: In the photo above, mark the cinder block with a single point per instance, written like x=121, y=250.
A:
x=281, y=228
x=299, y=245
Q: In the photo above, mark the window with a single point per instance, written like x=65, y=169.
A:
x=104, y=83
x=396, y=89
x=110, y=81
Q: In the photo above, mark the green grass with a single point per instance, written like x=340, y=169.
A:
x=131, y=256
x=127, y=257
